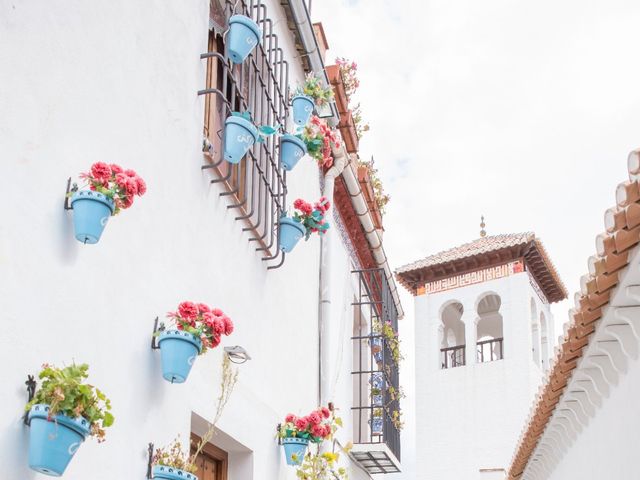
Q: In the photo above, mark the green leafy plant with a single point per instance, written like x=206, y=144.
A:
x=313, y=87
x=66, y=393
x=381, y=198
x=391, y=339
x=173, y=456
x=322, y=466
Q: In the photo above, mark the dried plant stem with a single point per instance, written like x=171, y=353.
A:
x=229, y=379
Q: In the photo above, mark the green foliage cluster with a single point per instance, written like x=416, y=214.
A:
x=66, y=393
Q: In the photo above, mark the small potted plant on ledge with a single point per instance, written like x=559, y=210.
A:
x=240, y=134
x=172, y=463
x=197, y=329
x=306, y=220
x=244, y=34
x=319, y=139
x=63, y=412
x=110, y=190
x=296, y=432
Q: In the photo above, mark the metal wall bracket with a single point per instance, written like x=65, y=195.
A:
x=278, y=429
x=70, y=191
x=157, y=329
x=149, y=464
x=31, y=391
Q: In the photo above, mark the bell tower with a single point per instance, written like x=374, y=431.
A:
x=484, y=334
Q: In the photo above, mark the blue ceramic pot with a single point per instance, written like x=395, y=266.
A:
x=295, y=449
x=239, y=135
x=377, y=380
x=178, y=351
x=302, y=109
x=244, y=34
x=171, y=473
x=376, y=348
x=377, y=400
x=376, y=426
x=292, y=149
x=91, y=212
x=290, y=233
x=52, y=443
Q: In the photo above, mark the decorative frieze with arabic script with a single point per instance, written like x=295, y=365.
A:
x=472, y=278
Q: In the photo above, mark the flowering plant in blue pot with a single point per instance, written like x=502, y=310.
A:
x=311, y=94
x=171, y=463
x=197, y=329
x=244, y=34
x=240, y=134
x=306, y=220
x=63, y=412
x=110, y=190
x=295, y=433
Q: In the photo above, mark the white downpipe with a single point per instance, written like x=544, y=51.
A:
x=350, y=176
x=340, y=160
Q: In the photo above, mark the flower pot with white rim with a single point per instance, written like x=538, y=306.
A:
x=91, y=212
x=172, y=473
x=178, y=351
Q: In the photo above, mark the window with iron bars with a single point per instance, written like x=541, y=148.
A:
x=375, y=373
x=255, y=189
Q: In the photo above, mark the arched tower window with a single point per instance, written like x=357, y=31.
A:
x=535, y=334
x=452, y=336
x=544, y=341
x=489, y=334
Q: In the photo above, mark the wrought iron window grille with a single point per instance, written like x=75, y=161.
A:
x=375, y=371
x=256, y=187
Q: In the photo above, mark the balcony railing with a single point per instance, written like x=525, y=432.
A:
x=256, y=187
x=375, y=376
x=452, y=357
x=490, y=350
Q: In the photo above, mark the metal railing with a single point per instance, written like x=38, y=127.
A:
x=490, y=350
x=256, y=187
x=452, y=357
x=375, y=372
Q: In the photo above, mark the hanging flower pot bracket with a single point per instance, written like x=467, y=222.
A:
x=70, y=191
x=158, y=328
x=150, y=450
x=31, y=391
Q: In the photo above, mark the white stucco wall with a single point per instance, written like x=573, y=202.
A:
x=469, y=417
x=116, y=81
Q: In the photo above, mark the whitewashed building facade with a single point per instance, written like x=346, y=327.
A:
x=135, y=83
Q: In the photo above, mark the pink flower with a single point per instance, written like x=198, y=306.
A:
x=121, y=180
x=131, y=187
x=218, y=326
x=115, y=168
x=130, y=173
x=290, y=418
x=100, y=171
x=188, y=310
x=301, y=423
x=215, y=341
x=228, y=325
x=327, y=431
x=127, y=202
x=315, y=418
x=317, y=430
x=208, y=319
x=203, y=308
x=326, y=413
x=217, y=312
x=142, y=186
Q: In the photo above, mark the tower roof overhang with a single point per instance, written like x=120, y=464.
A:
x=487, y=252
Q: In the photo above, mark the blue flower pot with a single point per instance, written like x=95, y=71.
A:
x=178, y=351
x=239, y=135
x=377, y=400
x=52, y=443
x=376, y=426
x=292, y=149
x=377, y=380
x=302, y=109
x=91, y=212
x=295, y=449
x=244, y=34
x=171, y=473
x=290, y=233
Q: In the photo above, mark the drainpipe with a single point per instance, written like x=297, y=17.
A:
x=340, y=160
